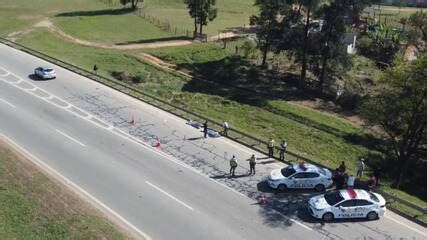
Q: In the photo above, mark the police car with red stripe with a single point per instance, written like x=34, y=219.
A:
x=347, y=203
x=301, y=175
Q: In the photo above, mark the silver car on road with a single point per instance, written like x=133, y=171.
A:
x=45, y=73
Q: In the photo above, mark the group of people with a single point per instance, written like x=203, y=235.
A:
x=282, y=149
x=341, y=179
x=224, y=131
x=233, y=165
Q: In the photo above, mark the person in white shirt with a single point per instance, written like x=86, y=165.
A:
x=350, y=181
x=360, y=167
x=225, y=126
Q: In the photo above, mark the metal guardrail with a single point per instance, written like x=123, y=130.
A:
x=234, y=134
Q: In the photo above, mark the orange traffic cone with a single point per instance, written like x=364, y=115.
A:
x=132, y=120
x=263, y=200
x=157, y=143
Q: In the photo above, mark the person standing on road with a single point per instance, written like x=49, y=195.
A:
x=205, y=129
x=360, y=167
x=233, y=165
x=252, y=163
x=271, y=144
x=225, y=128
x=282, y=152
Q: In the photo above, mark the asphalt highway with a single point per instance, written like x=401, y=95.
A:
x=161, y=196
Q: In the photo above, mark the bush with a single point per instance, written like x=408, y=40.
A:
x=140, y=77
x=122, y=76
x=364, y=45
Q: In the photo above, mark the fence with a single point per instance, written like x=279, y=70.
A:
x=163, y=24
x=234, y=134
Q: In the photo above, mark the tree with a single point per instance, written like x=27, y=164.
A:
x=193, y=10
x=267, y=23
x=202, y=11
x=384, y=44
x=310, y=7
x=134, y=3
x=334, y=58
x=400, y=108
x=418, y=21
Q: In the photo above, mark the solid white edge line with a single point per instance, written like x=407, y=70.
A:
x=71, y=138
x=74, y=187
x=405, y=225
x=169, y=195
x=7, y=103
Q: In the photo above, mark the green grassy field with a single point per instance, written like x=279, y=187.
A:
x=231, y=13
x=19, y=15
x=392, y=14
x=34, y=207
x=190, y=54
x=111, y=26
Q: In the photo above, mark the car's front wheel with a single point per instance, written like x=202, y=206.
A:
x=319, y=188
x=327, y=217
x=372, y=216
x=282, y=187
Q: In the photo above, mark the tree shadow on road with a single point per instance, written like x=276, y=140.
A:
x=222, y=176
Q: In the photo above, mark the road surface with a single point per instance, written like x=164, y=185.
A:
x=178, y=190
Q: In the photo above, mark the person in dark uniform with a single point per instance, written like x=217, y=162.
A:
x=233, y=165
x=252, y=163
x=205, y=129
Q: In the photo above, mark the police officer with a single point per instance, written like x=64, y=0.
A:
x=233, y=165
x=252, y=163
x=282, y=152
x=271, y=144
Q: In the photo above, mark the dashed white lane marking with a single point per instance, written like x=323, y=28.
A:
x=137, y=141
x=405, y=225
x=73, y=186
x=5, y=72
x=169, y=195
x=7, y=103
x=71, y=138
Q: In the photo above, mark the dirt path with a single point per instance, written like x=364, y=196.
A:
x=62, y=34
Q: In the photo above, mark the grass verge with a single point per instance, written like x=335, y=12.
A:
x=34, y=207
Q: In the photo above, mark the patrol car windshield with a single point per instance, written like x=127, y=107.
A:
x=333, y=198
x=322, y=171
x=288, y=171
x=373, y=197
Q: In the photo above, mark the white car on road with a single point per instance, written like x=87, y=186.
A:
x=45, y=72
x=347, y=203
x=300, y=175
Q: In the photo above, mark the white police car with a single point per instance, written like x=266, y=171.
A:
x=45, y=73
x=300, y=175
x=347, y=203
